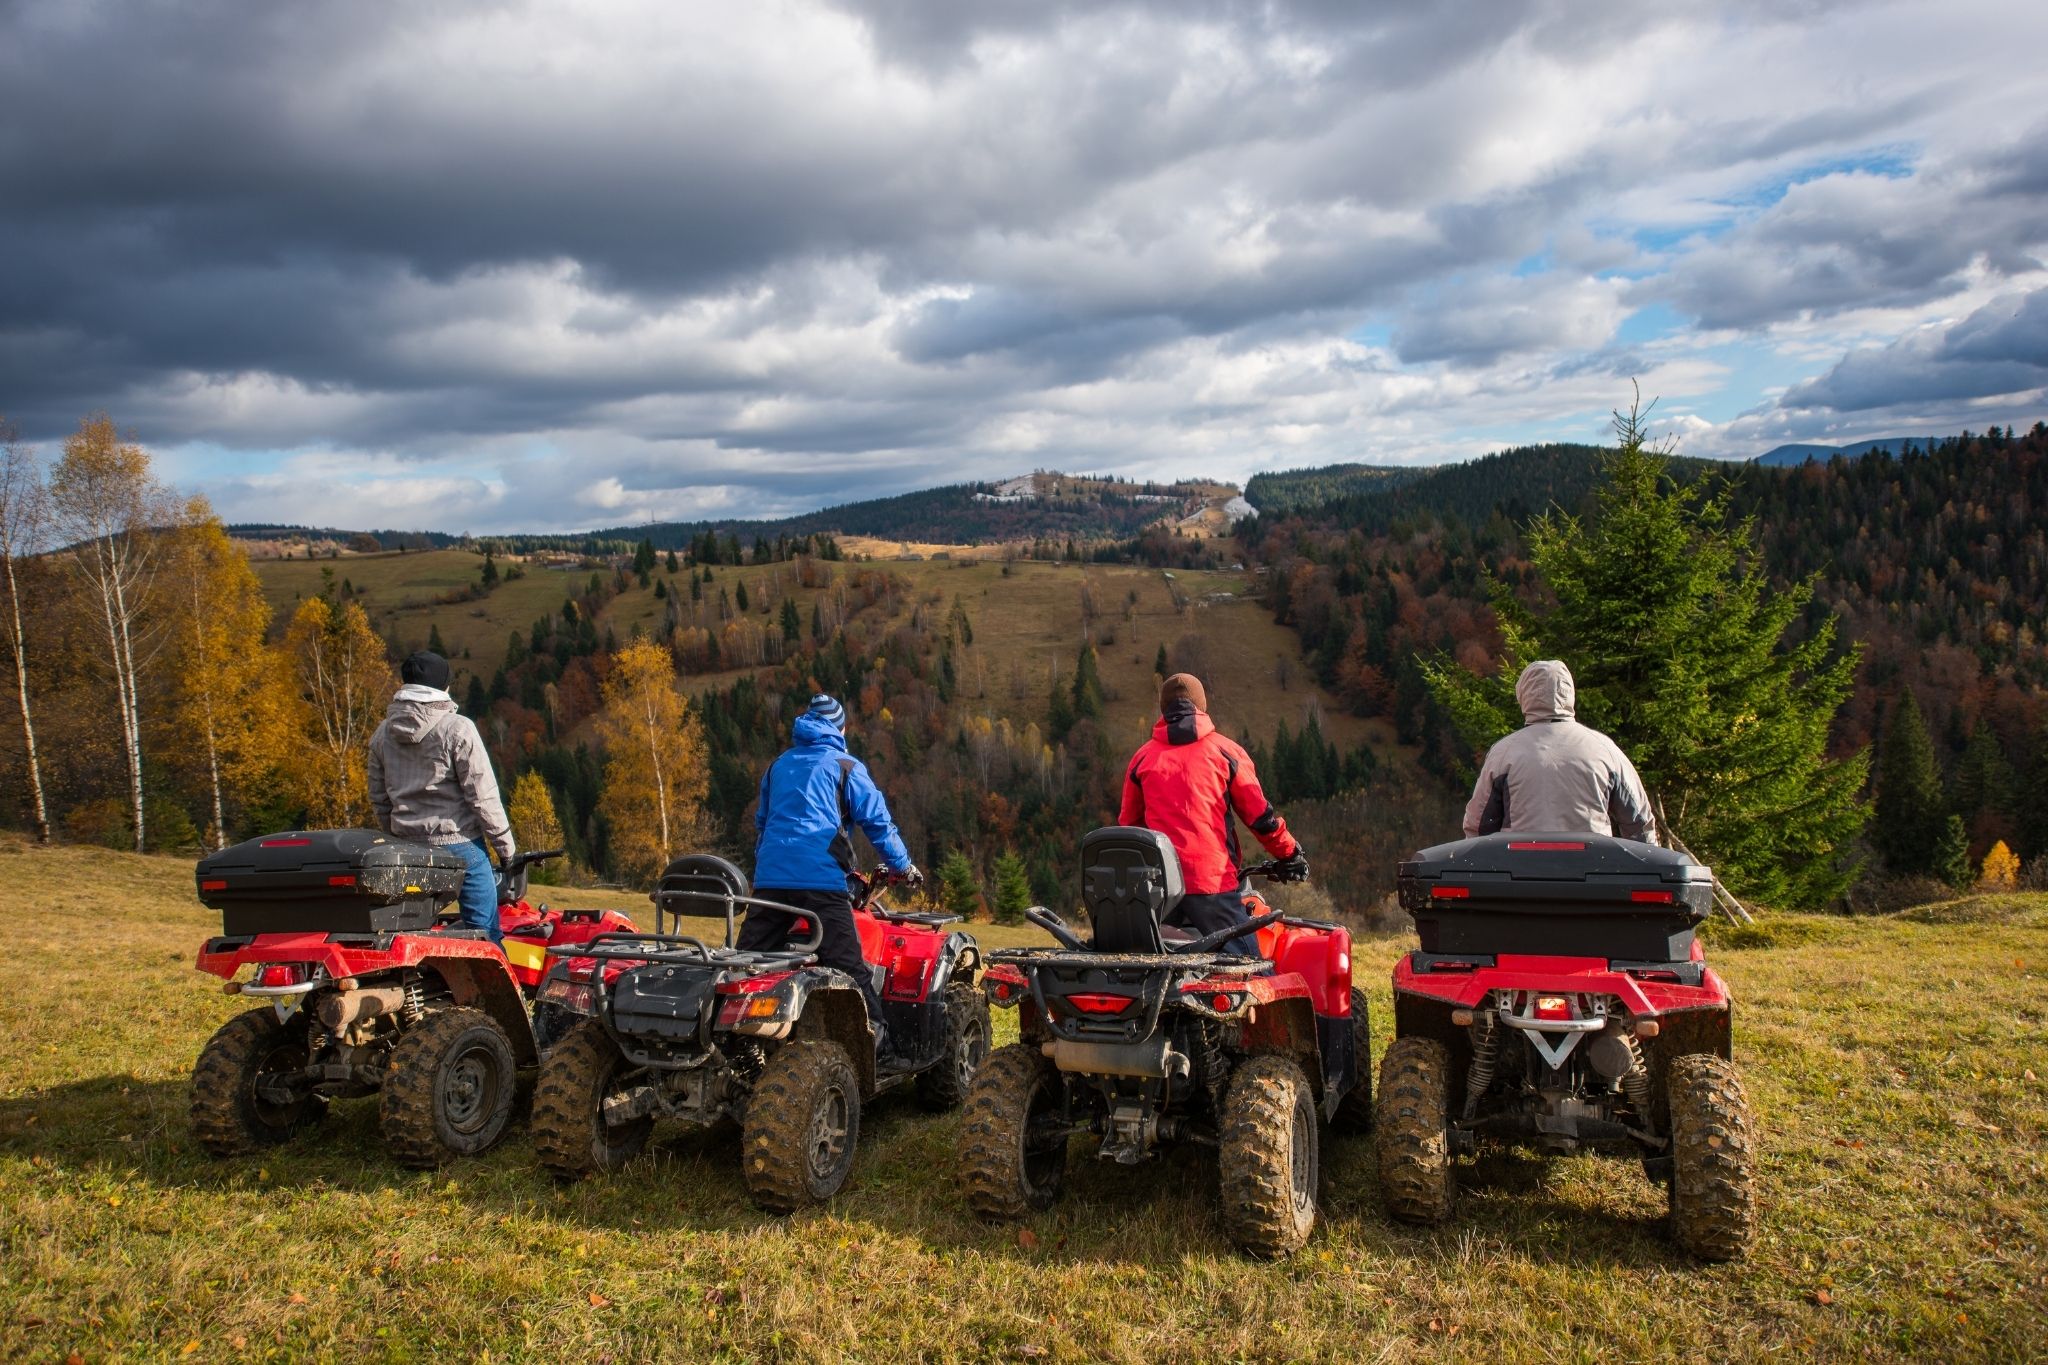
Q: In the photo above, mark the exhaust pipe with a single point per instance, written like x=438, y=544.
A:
x=343, y=1010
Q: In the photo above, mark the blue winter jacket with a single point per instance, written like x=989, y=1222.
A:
x=809, y=798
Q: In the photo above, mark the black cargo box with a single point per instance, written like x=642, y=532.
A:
x=333, y=881
x=1569, y=895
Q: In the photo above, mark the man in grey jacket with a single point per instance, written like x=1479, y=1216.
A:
x=430, y=780
x=1556, y=776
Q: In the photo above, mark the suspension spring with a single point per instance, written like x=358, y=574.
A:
x=1485, y=1055
x=1636, y=1081
x=415, y=1006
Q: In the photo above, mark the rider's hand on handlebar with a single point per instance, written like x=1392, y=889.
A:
x=1292, y=868
x=912, y=877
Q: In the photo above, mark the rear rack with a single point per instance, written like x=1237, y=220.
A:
x=686, y=950
x=1211, y=963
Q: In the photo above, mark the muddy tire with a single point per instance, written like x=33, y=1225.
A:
x=1414, y=1130
x=802, y=1124
x=944, y=1086
x=570, y=1134
x=1268, y=1160
x=1354, y=1111
x=1009, y=1167
x=228, y=1117
x=1713, y=1159
x=448, y=1088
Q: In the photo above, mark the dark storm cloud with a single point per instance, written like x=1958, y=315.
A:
x=778, y=252
x=2000, y=349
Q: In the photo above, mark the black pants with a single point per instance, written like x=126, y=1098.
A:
x=1205, y=914
x=767, y=930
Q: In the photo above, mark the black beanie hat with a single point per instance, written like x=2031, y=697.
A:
x=426, y=668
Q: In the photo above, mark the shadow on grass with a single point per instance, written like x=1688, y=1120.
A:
x=1152, y=1215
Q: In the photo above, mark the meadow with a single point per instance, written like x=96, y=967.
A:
x=1896, y=1064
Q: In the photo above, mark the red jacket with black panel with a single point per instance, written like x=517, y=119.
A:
x=1185, y=783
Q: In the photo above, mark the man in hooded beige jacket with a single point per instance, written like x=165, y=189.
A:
x=1556, y=776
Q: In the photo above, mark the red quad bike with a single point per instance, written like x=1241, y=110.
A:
x=1146, y=1035
x=365, y=990
x=771, y=1040
x=1560, y=999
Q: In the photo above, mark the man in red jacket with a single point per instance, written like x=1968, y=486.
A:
x=1186, y=782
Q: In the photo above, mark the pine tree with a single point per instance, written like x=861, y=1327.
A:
x=1952, y=854
x=476, y=701
x=1159, y=663
x=1678, y=642
x=434, y=640
x=1984, y=780
x=643, y=559
x=672, y=564
x=489, y=573
x=1086, y=690
x=817, y=622
x=1908, y=825
x=1013, y=889
x=739, y=596
x=792, y=624
x=958, y=887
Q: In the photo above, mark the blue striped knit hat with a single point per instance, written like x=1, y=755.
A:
x=829, y=711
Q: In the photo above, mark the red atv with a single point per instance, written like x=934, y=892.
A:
x=1560, y=999
x=1145, y=1035
x=365, y=991
x=771, y=1041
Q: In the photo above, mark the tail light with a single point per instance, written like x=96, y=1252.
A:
x=214, y=885
x=1650, y=897
x=344, y=879
x=1546, y=846
x=1449, y=893
x=1001, y=990
x=281, y=974
x=1099, y=1004
x=285, y=843
x=1553, y=1007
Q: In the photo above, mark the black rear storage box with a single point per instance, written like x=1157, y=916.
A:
x=1568, y=895
x=329, y=881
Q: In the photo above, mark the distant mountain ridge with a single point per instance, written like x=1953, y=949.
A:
x=1800, y=452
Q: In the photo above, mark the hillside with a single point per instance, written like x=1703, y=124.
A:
x=1936, y=562
x=1281, y=491
x=1904, y=1197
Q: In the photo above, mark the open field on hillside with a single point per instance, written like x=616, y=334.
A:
x=1896, y=1065
x=1026, y=626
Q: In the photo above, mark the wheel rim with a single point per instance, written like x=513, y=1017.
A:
x=283, y=1058
x=973, y=1051
x=469, y=1089
x=827, y=1142
x=1303, y=1163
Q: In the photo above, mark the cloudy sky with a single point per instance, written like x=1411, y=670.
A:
x=486, y=266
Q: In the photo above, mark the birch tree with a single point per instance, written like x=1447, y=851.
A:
x=23, y=508
x=224, y=682
x=107, y=506
x=656, y=769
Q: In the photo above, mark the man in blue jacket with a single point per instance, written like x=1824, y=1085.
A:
x=809, y=798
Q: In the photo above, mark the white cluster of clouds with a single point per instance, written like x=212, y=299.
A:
x=498, y=265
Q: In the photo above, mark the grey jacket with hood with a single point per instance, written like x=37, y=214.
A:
x=1556, y=776
x=430, y=778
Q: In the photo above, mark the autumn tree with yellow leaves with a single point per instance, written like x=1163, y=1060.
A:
x=657, y=769
x=344, y=682
x=534, y=822
x=229, y=706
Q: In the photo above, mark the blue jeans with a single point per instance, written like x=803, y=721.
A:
x=479, y=899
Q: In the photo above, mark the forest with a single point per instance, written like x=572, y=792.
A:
x=1935, y=562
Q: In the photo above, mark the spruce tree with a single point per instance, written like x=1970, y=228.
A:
x=792, y=625
x=1086, y=694
x=1013, y=889
x=1159, y=662
x=1952, y=855
x=1909, y=824
x=739, y=596
x=434, y=640
x=958, y=887
x=1679, y=644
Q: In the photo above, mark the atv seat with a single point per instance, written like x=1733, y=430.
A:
x=1130, y=881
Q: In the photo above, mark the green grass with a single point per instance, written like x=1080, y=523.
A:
x=1895, y=1066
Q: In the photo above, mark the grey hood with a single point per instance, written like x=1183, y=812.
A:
x=1546, y=692
x=416, y=711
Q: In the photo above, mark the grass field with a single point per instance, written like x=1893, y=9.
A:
x=1895, y=1064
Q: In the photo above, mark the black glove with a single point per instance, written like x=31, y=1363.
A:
x=512, y=886
x=912, y=877
x=1292, y=868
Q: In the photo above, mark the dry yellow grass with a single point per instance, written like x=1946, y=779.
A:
x=1896, y=1067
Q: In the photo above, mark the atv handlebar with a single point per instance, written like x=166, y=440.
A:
x=512, y=873
x=1054, y=925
